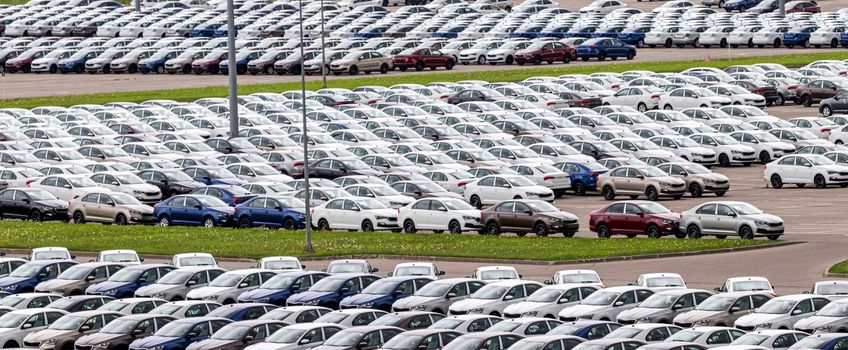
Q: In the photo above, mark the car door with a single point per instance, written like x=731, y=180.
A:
x=633, y=218
x=725, y=219
x=615, y=218
x=501, y=191
x=706, y=216
x=524, y=218
x=437, y=215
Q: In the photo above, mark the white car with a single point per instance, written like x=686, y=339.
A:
x=19, y=177
x=49, y=253
x=833, y=289
x=728, y=150
x=547, y=176
x=827, y=36
x=661, y=36
x=642, y=98
x=839, y=136
x=832, y=317
x=477, y=53
x=550, y=300
x=606, y=304
x=439, y=214
x=193, y=259
x=586, y=277
x=386, y=195
x=258, y=172
x=298, y=336
x=361, y=213
x=559, y=152
x=684, y=147
x=20, y=323
x=772, y=36
x=743, y=35
x=30, y=300
x=602, y=6
x=226, y=288
x=494, y=297
x=660, y=281
x=495, y=273
x=766, y=146
x=709, y=336
x=738, y=95
x=67, y=187
x=745, y=284
x=128, y=183
x=818, y=126
x=492, y=189
x=122, y=256
x=772, y=339
x=782, y=312
x=427, y=269
x=682, y=98
x=280, y=263
x=805, y=169
x=640, y=148
x=646, y=332
x=438, y=296
x=506, y=53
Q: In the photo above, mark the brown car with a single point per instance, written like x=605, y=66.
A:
x=699, y=179
x=236, y=336
x=818, y=90
x=77, y=278
x=360, y=338
x=423, y=189
x=723, y=309
x=110, y=207
x=523, y=216
x=123, y=331
x=362, y=61
x=636, y=180
x=67, y=329
x=77, y=303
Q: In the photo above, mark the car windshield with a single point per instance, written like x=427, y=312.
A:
x=811, y=343
x=751, y=285
x=231, y=332
x=490, y=292
x=819, y=160
x=446, y=323
x=434, y=289
x=834, y=310
x=12, y=320
x=119, y=326
x=113, y=306
x=685, y=336
x=81, y=182
x=285, y=336
x=279, y=282
x=75, y=273
x=750, y=339
x=67, y=322
x=624, y=332
x=413, y=271
x=520, y=181
x=659, y=301
x=174, y=329
x=653, y=208
x=177, y=176
x=504, y=326
x=498, y=274
x=600, y=298
x=176, y=277
x=765, y=137
x=328, y=284
x=652, y=172
x=126, y=275
x=654, y=282
x=26, y=270
x=226, y=280
x=545, y=295
x=584, y=346
x=402, y=342
x=345, y=338
x=24, y=158
x=776, y=306
x=716, y=303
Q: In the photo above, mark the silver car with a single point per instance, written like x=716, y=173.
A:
x=438, y=296
x=722, y=309
x=782, y=312
x=775, y=339
x=727, y=218
x=176, y=284
x=832, y=317
x=606, y=304
x=662, y=307
x=300, y=336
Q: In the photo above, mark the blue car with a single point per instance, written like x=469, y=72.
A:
x=330, y=290
x=529, y=32
x=125, y=282
x=383, y=293
x=823, y=341
x=581, y=32
x=279, y=288
x=27, y=276
x=799, y=36
x=193, y=210
x=608, y=32
x=156, y=62
x=179, y=334
x=272, y=211
x=740, y=5
x=242, y=312
x=76, y=63
x=584, y=176
x=558, y=31
x=634, y=35
x=586, y=329
x=213, y=175
x=243, y=58
x=603, y=48
x=230, y=194
x=207, y=29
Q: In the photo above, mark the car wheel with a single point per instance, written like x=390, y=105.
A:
x=579, y=189
x=773, y=237
x=353, y=70
x=509, y=60
x=641, y=107
x=652, y=194
x=602, y=56
x=750, y=43
x=724, y=160
x=244, y=222
x=800, y=185
x=806, y=101
x=537, y=60
x=668, y=43
x=269, y=69
x=475, y=202
x=493, y=229
x=120, y=220
x=819, y=181
x=540, y=229
x=408, y=226
x=720, y=193
x=10, y=344
x=765, y=157
x=449, y=65
x=695, y=190
x=164, y=221
x=323, y=225
x=746, y=233
x=723, y=43
x=603, y=231
x=679, y=235
x=633, y=196
x=776, y=181
x=79, y=218
x=208, y=222
x=288, y=224
x=367, y=226
x=826, y=111
x=566, y=58
x=35, y=216
x=454, y=227
x=609, y=193
x=481, y=60
x=419, y=66
x=640, y=43
x=668, y=107
x=693, y=231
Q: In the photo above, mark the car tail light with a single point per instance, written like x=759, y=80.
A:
x=616, y=87
x=592, y=47
x=462, y=183
x=550, y=103
x=822, y=130
x=584, y=101
x=791, y=87
x=594, y=174
x=547, y=177
x=29, y=182
x=238, y=199
x=655, y=97
x=760, y=89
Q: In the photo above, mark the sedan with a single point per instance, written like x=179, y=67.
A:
x=522, y=216
x=802, y=170
x=633, y=218
x=722, y=219
x=601, y=48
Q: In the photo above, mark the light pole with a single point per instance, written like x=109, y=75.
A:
x=231, y=71
x=137, y=5
x=323, y=57
x=304, y=138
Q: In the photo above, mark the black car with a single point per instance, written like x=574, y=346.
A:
x=331, y=168
x=471, y=95
x=32, y=203
x=598, y=149
x=170, y=181
x=835, y=104
x=77, y=303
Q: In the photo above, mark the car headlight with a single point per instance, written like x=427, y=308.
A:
x=210, y=297
x=478, y=310
x=832, y=172
x=395, y=203
x=159, y=347
x=366, y=305
x=664, y=184
x=736, y=152
x=135, y=212
x=702, y=322
x=554, y=220
x=103, y=345
x=49, y=341
x=138, y=192
x=709, y=181
x=311, y=302
x=421, y=307
x=646, y=319
x=589, y=316
x=59, y=290
x=382, y=218
x=764, y=325
x=466, y=217
x=11, y=287
x=263, y=300
x=666, y=222
x=824, y=328
x=530, y=313
x=760, y=223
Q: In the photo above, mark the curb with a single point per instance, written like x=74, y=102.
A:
x=835, y=275
x=480, y=260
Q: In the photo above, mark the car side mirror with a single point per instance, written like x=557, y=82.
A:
x=796, y=312
x=66, y=186
x=640, y=177
x=618, y=303
x=198, y=206
x=88, y=328
x=191, y=335
x=508, y=297
x=247, y=338
x=304, y=341
x=42, y=276
x=362, y=344
x=548, y=282
x=89, y=278
x=242, y=285
x=441, y=273
x=26, y=326
x=344, y=290
x=808, y=165
x=141, y=281
x=278, y=208
x=677, y=306
x=450, y=296
x=734, y=309
x=528, y=212
x=344, y=170
x=191, y=283
x=506, y=186
x=398, y=292
x=733, y=215
x=135, y=332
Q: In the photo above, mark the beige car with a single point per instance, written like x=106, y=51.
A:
x=109, y=207
x=67, y=329
x=362, y=61
x=639, y=180
x=77, y=278
x=722, y=309
x=699, y=179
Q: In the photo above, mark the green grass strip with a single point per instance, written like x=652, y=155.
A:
x=839, y=268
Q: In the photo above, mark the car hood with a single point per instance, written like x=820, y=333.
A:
x=141, y=208
x=697, y=315
x=469, y=304
x=525, y=306
x=208, y=344
x=6, y=281
x=203, y=292
x=668, y=216
x=260, y=293
x=713, y=176
x=189, y=184
x=55, y=283
x=309, y=296
x=151, y=341
x=154, y=289
x=46, y=334
x=757, y=319
x=640, y=312
x=97, y=338
x=580, y=310
x=363, y=298
x=413, y=301
x=53, y=203
x=104, y=286
x=560, y=215
x=818, y=321
x=774, y=219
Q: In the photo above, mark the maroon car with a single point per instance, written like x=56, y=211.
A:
x=24, y=60
x=802, y=6
x=423, y=58
x=546, y=51
x=632, y=218
x=209, y=64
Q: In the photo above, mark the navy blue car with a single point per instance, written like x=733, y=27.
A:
x=586, y=329
x=330, y=290
x=27, y=276
x=634, y=35
x=179, y=334
x=242, y=312
x=213, y=175
x=603, y=48
x=740, y=5
x=279, y=288
x=193, y=210
x=799, y=36
x=156, y=62
x=243, y=58
x=823, y=341
x=584, y=176
x=272, y=211
x=230, y=194
x=125, y=282
x=76, y=63
x=383, y=293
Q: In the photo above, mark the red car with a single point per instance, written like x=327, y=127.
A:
x=23, y=62
x=632, y=218
x=802, y=6
x=209, y=64
x=423, y=58
x=546, y=51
